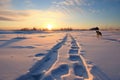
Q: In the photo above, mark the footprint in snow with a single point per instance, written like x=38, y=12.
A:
x=61, y=70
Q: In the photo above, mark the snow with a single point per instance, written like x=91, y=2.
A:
x=75, y=55
x=104, y=52
x=18, y=55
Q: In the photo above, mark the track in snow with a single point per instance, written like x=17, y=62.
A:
x=64, y=62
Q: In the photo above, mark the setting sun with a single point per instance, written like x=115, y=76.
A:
x=49, y=27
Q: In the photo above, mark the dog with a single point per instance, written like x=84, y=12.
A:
x=99, y=34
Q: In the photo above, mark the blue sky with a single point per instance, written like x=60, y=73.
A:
x=59, y=13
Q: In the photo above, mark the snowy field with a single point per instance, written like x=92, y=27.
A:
x=76, y=55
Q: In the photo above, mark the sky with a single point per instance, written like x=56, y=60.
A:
x=78, y=14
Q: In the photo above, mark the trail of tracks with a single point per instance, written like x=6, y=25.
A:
x=69, y=65
x=63, y=62
x=37, y=71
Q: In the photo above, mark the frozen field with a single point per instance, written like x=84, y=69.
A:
x=76, y=55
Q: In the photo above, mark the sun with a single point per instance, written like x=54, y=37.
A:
x=49, y=27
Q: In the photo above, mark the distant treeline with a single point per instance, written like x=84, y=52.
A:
x=45, y=29
x=34, y=29
x=61, y=29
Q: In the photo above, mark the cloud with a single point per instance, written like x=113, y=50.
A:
x=13, y=15
x=29, y=3
x=23, y=15
x=73, y=7
x=68, y=6
x=59, y=9
x=6, y=19
x=5, y=4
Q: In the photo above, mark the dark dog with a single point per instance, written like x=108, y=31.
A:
x=99, y=34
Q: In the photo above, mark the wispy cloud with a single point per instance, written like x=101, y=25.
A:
x=12, y=15
x=29, y=3
x=62, y=7
x=68, y=6
x=23, y=15
x=4, y=4
x=6, y=19
x=59, y=8
x=72, y=7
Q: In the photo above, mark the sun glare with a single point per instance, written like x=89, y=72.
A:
x=49, y=27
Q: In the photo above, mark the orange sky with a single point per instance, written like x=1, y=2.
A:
x=80, y=14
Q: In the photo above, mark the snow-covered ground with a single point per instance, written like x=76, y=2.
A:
x=104, y=52
x=76, y=55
